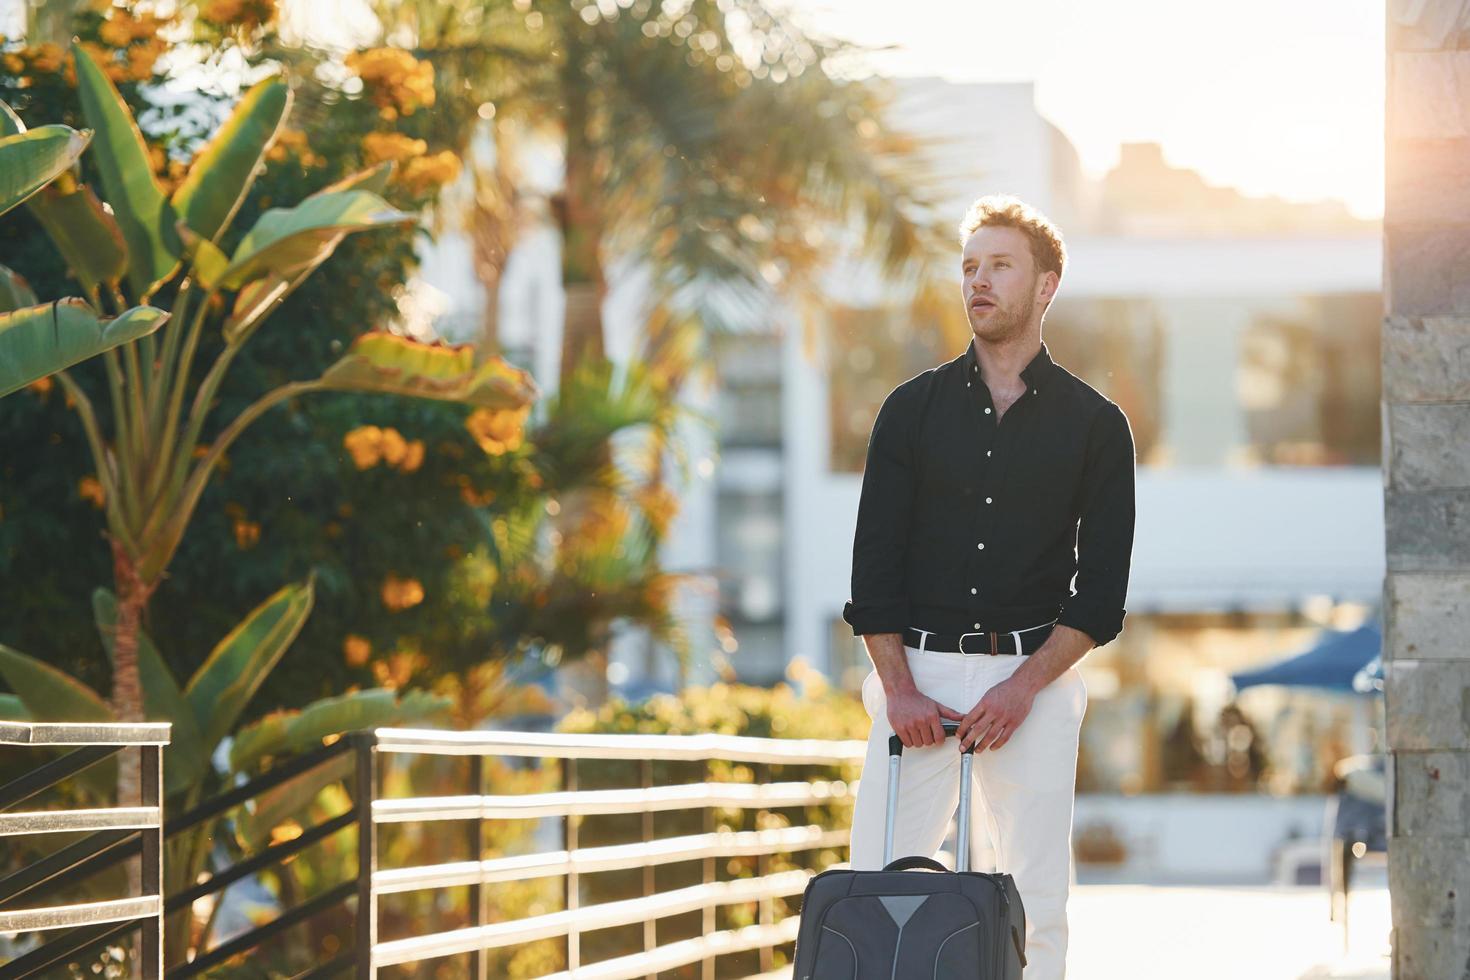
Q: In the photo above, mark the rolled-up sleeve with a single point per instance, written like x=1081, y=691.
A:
x=880, y=598
x=1105, y=534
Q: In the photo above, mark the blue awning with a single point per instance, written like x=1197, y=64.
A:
x=1330, y=663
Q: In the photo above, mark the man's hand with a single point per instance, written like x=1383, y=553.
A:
x=996, y=716
x=917, y=719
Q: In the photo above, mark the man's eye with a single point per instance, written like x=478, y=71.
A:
x=1002, y=265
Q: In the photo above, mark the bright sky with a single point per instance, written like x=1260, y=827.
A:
x=1277, y=97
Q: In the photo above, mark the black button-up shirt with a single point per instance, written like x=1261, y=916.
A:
x=967, y=524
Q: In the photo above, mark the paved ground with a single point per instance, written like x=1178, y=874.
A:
x=1221, y=932
x=1153, y=932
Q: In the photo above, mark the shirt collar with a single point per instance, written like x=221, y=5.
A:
x=1035, y=374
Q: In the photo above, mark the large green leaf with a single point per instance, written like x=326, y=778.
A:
x=10, y=123
x=49, y=695
x=15, y=292
x=373, y=179
x=390, y=364
x=87, y=237
x=240, y=662
x=287, y=240
x=206, y=262
x=32, y=159
x=222, y=173
x=41, y=340
x=270, y=809
x=188, y=756
x=143, y=212
x=258, y=298
x=293, y=732
x=12, y=708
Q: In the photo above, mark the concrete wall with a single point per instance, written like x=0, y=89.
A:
x=1426, y=405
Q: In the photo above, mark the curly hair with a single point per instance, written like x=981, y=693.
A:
x=1006, y=211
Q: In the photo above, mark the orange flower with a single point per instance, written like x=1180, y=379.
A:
x=42, y=386
x=413, y=456
x=365, y=445
x=424, y=173
x=356, y=649
x=90, y=488
x=47, y=58
x=394, y=79
x=394, y=447
x=397, y=669
x=498, y=431
x=377, y=147
x=247, y=534
x=401, y=593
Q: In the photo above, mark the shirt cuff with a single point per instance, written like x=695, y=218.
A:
x=866, y=618
x=1101, y=626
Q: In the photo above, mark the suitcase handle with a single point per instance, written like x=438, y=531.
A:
x=967, y=760
x=895, y=744
x=915, y=861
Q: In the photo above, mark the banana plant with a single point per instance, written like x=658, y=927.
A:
x=204, y=713
x=39, y=339
x=150, y=460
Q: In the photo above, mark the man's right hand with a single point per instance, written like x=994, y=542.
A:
x=917, y=719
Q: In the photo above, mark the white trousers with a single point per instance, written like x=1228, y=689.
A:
x=1021, y=798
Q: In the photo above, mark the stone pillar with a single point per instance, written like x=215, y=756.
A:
x=1426, y=460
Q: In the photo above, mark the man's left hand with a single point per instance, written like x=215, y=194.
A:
x=996, y=716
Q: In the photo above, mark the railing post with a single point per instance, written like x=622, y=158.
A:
x=767, y=916
x=707, y=965
x=479, y=960
x=365, y=789
x=569, y=824
x=150, y=759
x=650, y=883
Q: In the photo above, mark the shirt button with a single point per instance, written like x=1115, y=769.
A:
x=987, y=452
x=1034, y=391
x=987, y=411
x=987, y=500
x=977, y=625
x=974, y=592
x=981, y=546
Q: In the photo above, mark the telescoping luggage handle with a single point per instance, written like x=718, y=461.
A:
x=962, y=836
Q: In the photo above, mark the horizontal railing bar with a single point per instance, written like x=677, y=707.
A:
x=62, y=821
x=61, y=948
x=271, y=855
x=81, y=914
x=608, y=858
x=248, y=790
x=588, y=918
x=683, y=952
x=695, y=748
x=71, y=859
x=82, y=733
x=45, y=776
x=260, y=934
x=586, y=802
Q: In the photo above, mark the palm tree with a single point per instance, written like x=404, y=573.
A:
x=714, y=143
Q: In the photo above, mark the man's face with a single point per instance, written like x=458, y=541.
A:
x=1000, y=283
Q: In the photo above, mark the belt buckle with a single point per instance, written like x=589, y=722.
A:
x=991, y=652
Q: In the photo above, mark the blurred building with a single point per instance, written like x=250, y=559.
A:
x=1240, y=335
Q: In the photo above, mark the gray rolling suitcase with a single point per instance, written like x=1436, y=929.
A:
x=909, y=923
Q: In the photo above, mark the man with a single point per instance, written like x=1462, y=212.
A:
x=990, y=482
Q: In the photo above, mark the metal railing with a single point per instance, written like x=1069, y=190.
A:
x=571, y=861
x=123, y=832
x=132, y=829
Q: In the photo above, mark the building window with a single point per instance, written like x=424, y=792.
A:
x=748, y=406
